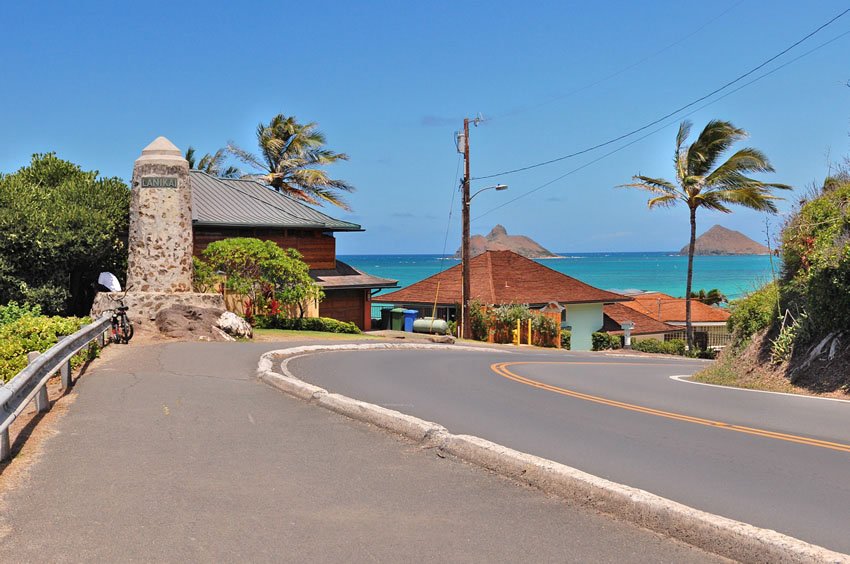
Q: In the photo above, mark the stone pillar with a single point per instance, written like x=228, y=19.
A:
x=159, y=270
x=160, y=241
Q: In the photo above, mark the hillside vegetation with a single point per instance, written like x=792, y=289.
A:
x=794, y=335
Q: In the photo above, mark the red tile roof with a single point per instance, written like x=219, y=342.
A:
x=672, y=310
x=614, y=315
x=502, y=277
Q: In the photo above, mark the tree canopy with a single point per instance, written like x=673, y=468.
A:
x=703, y=182
x=59, y=227
x=263, y=272
x=290, y=160
x=213, y=164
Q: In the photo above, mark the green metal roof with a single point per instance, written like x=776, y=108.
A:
x=248, y=203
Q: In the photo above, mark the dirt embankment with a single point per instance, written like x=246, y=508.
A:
x=821, y=368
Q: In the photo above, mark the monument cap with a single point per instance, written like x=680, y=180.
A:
x=161, y=148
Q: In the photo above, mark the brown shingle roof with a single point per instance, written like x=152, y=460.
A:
x=345, y=276
x=614, y=315
x=672, y=310
x=501, y=277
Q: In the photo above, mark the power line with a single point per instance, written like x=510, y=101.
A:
x=670, y=114
x=451, y=211
x=666, y=125
x=622, y=70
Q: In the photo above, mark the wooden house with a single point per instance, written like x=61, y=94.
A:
x=223, y=208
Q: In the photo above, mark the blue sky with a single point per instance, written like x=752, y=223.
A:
x=389, y=83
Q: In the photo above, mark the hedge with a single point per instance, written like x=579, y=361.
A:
x=36, y=333
x=603, y=341
x=675, y=346
x=324, y=324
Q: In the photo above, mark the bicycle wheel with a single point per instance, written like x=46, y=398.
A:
x=126, y=329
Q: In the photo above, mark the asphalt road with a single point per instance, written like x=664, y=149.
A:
x=176, y=453
x=773, y=461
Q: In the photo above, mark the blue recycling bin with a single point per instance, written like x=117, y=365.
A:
x=409, y=318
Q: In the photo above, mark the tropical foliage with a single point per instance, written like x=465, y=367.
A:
x=703, y=182
x=270, y=278
x=60, y=227
x=291, y=158
x=213, y=164
x=323, y=324
x=712, y=297
x=24, y=330
x=753, y=313
x=816, y=258
x=501, y=321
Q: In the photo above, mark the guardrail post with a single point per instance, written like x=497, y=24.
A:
x=42, y=403
x=65, y=371
x=101, y=339
x=5, y=448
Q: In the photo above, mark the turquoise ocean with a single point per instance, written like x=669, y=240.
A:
x=662, y=272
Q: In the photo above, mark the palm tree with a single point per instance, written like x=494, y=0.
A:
x=712, y=297
x=701, y=184
x=289, y=156
x=212, y=164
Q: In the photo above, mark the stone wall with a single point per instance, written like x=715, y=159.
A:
x=143, y=306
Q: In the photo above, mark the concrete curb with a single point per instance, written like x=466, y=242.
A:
x=713, y=533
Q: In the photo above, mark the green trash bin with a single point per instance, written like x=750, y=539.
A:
x=397, y=319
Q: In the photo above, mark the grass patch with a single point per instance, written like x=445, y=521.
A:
x=298, y=334
x=727, y=370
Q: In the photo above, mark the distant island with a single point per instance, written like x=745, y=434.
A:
x=721, y=241
x=499, y=240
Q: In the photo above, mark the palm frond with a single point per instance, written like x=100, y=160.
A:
x=190, y=156
x=743, y=161
x=667, y=201
x=245, y=156
x=714, y=140
x=654, y=185
x=755, y=196
x=709, y=200
x=680, y=159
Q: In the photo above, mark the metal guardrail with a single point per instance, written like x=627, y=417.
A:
x=31, y=382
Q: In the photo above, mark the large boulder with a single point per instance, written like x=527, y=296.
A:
x=234, y=325
x=188, y=322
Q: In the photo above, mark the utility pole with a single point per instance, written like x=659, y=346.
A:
x=466, y=332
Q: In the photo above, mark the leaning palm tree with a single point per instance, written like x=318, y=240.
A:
x=290, y=157
x=211, y=164
x=701, y=184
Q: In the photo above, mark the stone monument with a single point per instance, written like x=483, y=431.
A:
x=159, y=269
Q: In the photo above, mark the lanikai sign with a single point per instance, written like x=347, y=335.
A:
x=159, y=182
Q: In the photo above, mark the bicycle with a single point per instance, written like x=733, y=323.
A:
x=122, y=327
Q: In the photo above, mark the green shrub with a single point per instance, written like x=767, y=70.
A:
x=602, y=341
x=675, y=346
x=565, y=339
x=59, y=227
x=269, y=276
x=816, y=260
x=324, y=324
x=34, y=333
x=545, y=330
x=12, y=312
x=479, y=324
x=204, y=278
x=753, y=313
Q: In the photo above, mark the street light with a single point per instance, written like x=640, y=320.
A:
x=497, y=187
x=464, y=315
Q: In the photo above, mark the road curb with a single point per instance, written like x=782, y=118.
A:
x=720, y=535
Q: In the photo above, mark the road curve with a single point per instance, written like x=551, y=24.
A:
x=774, y=461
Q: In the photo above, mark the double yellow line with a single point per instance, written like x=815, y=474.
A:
x=501, y=368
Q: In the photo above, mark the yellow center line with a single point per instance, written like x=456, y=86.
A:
x=501, y=368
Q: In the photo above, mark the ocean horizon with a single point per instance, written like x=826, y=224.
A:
x=733, y=275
